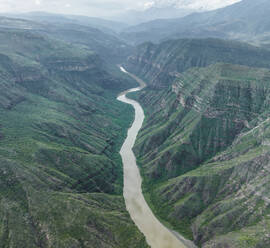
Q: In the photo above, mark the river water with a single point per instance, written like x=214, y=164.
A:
x=156, y=234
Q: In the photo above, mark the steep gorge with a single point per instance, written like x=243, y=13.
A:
x=204, y=147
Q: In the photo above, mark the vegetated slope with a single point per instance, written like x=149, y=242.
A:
x=204, y=149
x=246, y=20
x=160, y=64
x=108, y=26
x=60, y=132
x=18, y=23
x=107, y=45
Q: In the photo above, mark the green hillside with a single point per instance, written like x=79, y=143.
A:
x=161, y=63
x=60, y=132
x=109, y=47
x=203, y=149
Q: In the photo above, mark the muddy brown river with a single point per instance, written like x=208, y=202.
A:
x=156, y=234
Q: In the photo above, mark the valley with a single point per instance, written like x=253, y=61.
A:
x=156, y=234
x=180, y=158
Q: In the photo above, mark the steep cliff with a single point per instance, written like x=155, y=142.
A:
x=203, y=149
x=161, y=63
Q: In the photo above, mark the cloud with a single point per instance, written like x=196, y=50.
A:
x=194, y=4
x=148, y=5
x=209, y=4
x=38, y=2
x=104, y=7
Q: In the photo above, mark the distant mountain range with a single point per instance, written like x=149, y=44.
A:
x=44, y=17
x=82, y=32
x=247, y=20
x=134, y=17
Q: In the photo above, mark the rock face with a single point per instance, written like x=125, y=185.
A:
x=60, y=172
x=204, y=148
x=160, y=64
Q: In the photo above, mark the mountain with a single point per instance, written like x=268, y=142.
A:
x=99, y=23
x=135, y=17
x=61, y=128
x=17, y=23
x=107, y=45
x=161, y=63
x=246, y=20
x=204, y=149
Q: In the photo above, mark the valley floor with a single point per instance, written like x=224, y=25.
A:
x=157, y=235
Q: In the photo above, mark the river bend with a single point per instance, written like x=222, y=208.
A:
x=157, y=235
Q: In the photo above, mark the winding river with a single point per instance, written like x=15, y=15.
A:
x=157, y=235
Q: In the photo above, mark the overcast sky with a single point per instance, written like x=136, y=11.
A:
x=104, y=7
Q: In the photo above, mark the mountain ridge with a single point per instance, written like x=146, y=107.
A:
x=245, y=20
x=203, y=147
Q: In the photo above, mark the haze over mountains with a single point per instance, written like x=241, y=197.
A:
x=93, y=22
x=134, y=17
x=246, y=20
x=169, y=9
x=203, y=150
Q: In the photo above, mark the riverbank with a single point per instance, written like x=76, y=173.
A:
x=157, y=235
